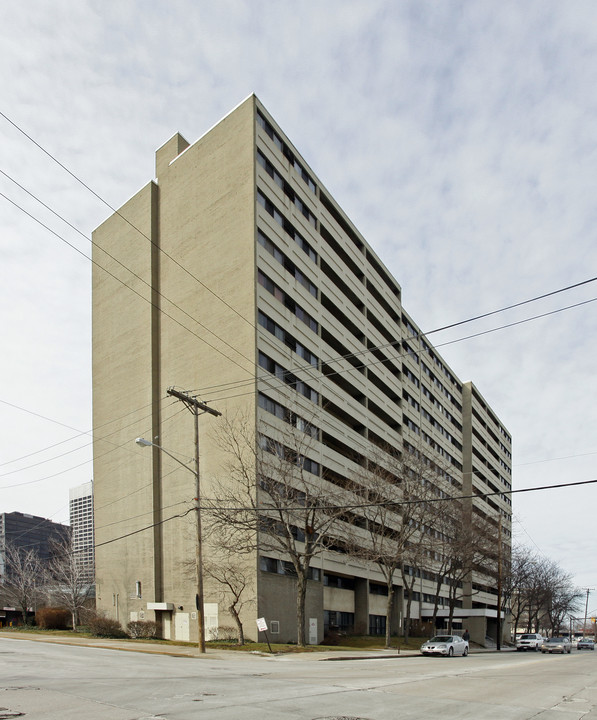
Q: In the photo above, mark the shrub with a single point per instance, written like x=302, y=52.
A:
x=225, y=633
x=332, y=637
x=102, y=626
x=144, y=629
x=51, y=618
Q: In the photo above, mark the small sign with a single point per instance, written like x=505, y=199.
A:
x=261, y=625
x=312, y=631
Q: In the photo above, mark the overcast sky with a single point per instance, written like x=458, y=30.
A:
x=460, y=138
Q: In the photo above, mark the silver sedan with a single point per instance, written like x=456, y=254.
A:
x=556, y=645
x=447, y=645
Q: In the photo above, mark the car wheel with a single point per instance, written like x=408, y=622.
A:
x=465, y=652
x=569, y=650
x=451, y=652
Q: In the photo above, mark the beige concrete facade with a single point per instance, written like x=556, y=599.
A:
x=239, y=261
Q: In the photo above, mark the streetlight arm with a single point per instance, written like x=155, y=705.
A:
x=142, y=442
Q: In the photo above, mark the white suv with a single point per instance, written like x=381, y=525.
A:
x=529, y=641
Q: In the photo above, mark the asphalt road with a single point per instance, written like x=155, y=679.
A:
x=47, y=681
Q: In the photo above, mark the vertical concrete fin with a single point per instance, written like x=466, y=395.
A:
x=169, y=150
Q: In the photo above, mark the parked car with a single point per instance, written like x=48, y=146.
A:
x=556, y=645
x=529, y=641
x=447, y=645
x=585, y=644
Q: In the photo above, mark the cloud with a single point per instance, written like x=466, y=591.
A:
x=459, y=139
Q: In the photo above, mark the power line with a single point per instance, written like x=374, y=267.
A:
x=400, y=355
x=111, y=274
x=418, y=352
x=43, y=462
x=305, y=368
x=117, y=212
x=82, y=234
x=284, y=385
x=309, y=368
x=182, y=267
x=563, y=457
x=43, y=417
x=97, y=440
x=355, y=506
x=147, y=527
x=80, y=433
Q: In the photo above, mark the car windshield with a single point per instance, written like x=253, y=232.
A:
x=441, y=638
x=527, y=637
x=556, y=640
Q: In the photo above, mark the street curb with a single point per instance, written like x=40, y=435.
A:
x=215, y=654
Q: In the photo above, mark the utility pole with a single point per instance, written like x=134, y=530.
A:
x=197, y=408
x=499, y=586
x=584, y=627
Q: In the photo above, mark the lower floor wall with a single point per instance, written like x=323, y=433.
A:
x=336, y=604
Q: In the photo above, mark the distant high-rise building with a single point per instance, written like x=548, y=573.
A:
x=81, y=522
x=29, y=532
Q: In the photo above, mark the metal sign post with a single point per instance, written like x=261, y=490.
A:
x=262, y=627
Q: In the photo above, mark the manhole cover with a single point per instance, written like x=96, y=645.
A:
x=17, y=687
x=339, y=717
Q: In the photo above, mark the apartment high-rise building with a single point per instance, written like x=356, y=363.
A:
x=81, y=522
x=235, y=276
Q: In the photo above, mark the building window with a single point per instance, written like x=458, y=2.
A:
x=337, y=581
x=284, y=567
x=278, y=331
x=289, y=378
x=335, y=621
x=268, y=564
x=289, y=455
x=377, y=624
x=288, y=265
x=286, y=225
x=375, y=589
x=287, y=152
x=287, y=301
x=275, y=408
x=288, y=191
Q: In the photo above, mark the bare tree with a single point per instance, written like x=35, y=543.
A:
x=465, y=542
x=234, y=581
x=23, y=578
x=564, y=599
x=396, y=490
x=67, y=580
x=542, y=592
x=230, y=566
x=275, y=499
x=519, y=582
x=416, y=559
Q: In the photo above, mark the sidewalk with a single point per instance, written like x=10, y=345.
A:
x=189, y=651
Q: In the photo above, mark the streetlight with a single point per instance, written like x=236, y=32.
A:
x=142, y=442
